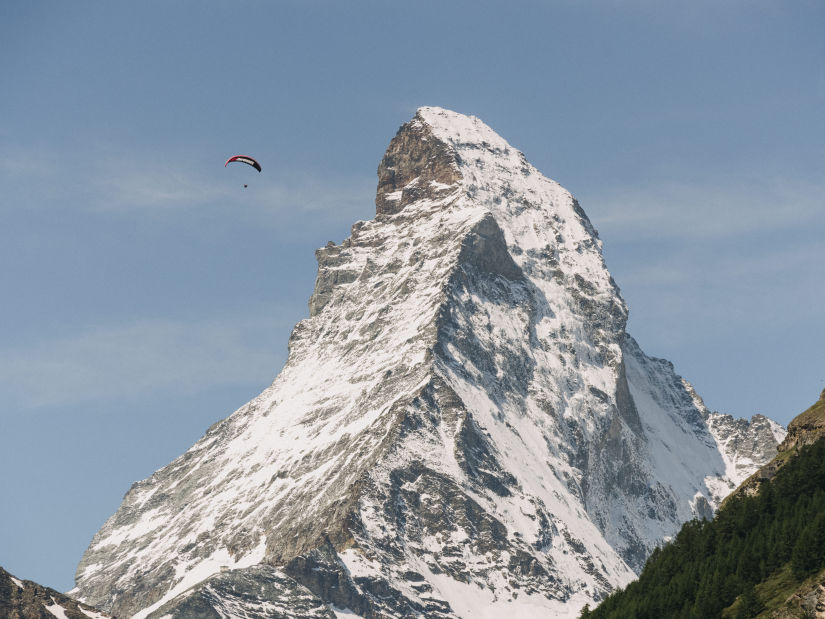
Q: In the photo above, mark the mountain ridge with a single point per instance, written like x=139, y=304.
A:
x=30, y=600
x=462, y=426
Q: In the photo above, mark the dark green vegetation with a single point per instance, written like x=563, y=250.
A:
x=757, y=551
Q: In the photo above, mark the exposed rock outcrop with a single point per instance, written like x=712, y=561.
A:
x=807, y=427
x=24, y=599
x=804, y=429
x=806, y=602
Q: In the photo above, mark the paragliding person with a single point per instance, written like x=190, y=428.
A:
x=244, y=159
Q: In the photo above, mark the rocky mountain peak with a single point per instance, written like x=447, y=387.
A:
x=416, y=164
x=462, y=425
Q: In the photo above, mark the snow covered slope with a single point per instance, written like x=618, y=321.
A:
x=462, y=429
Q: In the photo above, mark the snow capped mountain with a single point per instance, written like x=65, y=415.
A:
x=462, y=429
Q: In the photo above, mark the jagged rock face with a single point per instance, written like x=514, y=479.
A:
x=24, y=599
x=462, y=429
x=807, y=427
x=804, y=429
x=807, y=601
x=416, y=165
x=745, y=444
x=260, y=591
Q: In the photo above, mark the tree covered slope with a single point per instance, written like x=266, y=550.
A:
x=763, y=555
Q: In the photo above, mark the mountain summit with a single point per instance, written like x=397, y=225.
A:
x=462, y=428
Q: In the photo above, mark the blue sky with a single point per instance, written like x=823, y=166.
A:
x=146, y=294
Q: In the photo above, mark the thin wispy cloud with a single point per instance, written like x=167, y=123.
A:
x=686, y=267
x=303, y=194
x=121, y=361
x=135, y=185
x=152, y=188
x=719, y=258
x=715, y=209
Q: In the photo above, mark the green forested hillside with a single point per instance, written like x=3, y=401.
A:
x=755, y=553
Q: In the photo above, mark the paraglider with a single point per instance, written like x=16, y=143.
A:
x=244, y=159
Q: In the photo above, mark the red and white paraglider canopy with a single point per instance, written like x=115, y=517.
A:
x=244, y=159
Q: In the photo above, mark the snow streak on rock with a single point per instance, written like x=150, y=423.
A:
x=27, y=599
x=462, y=428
